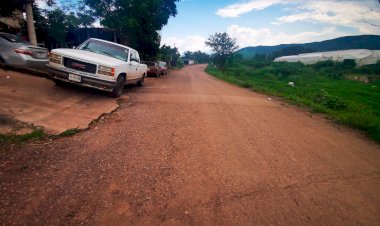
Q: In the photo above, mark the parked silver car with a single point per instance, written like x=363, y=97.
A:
x=16, y=52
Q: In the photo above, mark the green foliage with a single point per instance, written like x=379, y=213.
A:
x=179, y=63
x=69, y=132
x=373, y=69
x=198, y=56
x=324, y=64
x=222, y=46
x=137, y=21
x=36, y=134
x=171, y=56
x=322, y=87
x=331, y=102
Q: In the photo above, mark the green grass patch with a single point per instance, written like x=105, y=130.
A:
x=36, y=134
x=321, y=87
x=69, y=132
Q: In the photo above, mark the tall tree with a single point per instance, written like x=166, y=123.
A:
x=222, y=46
x=10, y=5
x=137, y=21
x=169, y=55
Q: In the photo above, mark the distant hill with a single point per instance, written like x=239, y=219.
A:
x=350, y=42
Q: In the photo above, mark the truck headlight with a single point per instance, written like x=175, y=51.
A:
x=106, y=70
x=55, y=58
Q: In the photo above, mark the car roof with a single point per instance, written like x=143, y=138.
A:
x=113, y=43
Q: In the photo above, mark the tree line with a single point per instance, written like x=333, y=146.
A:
x=135, y=22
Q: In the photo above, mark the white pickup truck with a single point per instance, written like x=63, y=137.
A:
x=98, y=64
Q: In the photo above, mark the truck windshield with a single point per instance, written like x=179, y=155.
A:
x=105, y=49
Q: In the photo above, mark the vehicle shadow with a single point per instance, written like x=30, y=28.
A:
x=35, y=72
x=94, y=92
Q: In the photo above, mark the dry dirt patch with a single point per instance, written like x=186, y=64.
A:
x=38, y=102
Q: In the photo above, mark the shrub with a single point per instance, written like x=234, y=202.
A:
x=284, y=69
x=335, y=75
x=323, y=64
x=348, y=64
x=369, y=69
x=331, y=102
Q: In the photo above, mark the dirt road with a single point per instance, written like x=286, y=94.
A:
x=189, y=149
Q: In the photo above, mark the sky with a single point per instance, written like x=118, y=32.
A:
x=269, y=22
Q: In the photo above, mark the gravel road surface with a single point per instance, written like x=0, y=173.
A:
x=188, y=149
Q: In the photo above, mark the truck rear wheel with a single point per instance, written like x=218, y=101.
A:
x=118, y=89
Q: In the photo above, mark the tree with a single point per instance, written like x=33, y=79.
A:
x=198, y=56
x=222, y=46
x=11, y=5
x=136, y=21
x=170, y=55
x=188, y=55
x=201, y=57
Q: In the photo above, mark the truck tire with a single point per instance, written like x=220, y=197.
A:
x=60, y=83
x=118, y=89
x=140, y=83
x=2, y=63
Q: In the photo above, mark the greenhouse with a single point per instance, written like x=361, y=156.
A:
x=361, y=57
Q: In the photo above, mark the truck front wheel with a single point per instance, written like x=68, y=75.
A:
x=118, y=89
x=140, y=83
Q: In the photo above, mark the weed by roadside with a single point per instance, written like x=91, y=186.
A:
x=69, y=132
x=36, y=134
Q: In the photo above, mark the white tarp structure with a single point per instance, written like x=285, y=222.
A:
x=361, y=57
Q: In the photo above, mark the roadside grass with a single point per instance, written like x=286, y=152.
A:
x=13, y=138
x=323, y=87
x=35, y=135
x=69, y=132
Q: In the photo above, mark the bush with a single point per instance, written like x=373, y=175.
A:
x=331, y=102
x=323, y=64
x=179, y=63
x=257, y=64
x=348, y=64
x=372, y=69
x=284, y=69
x=335, y=75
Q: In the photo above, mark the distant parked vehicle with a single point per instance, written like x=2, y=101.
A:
x=162, y=67
x=16, y=52
x=98, y=64
x=156, y=68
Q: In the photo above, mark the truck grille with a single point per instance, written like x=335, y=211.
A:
x=79, y=65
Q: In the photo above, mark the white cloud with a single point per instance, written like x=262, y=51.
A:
x=97, y=24
x=238, y=9
x=338, y=13
x=356, y=14
x=41, y=4
x=190, y=43
x=254, y=37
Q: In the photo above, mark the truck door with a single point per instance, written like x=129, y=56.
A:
x=134, y=65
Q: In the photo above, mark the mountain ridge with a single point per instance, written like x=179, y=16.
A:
x=371, y=42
